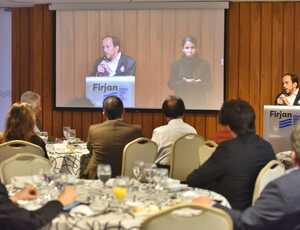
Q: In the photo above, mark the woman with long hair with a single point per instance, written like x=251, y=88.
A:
x=20, y=124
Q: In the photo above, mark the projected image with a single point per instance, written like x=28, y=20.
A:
x=116, y=71
x=141, y=56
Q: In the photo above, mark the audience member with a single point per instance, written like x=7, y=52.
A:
x=20, y=125
x=234, y=166
x=107, y=140
x=14, y=217
x=165, y=136
x=34, y=100
x=277, y=207
x=290, y=94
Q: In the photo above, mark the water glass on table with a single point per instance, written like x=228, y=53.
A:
x=103, y=172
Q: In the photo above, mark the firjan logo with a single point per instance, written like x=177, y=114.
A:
x=285, y=119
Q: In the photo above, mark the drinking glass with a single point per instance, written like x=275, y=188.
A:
x=66, y=131
x=103, y=172
x=137, y=170
x=72, y=134
x=120, y=188
x=44, y=136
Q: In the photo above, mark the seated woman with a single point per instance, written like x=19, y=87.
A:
x=20, y=125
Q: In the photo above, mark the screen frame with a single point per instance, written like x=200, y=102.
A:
x=135, y=110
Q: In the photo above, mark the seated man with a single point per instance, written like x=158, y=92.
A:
x=278, y=206
x=290, y=94
x=14, y=217
x=165, y=136
x=34, y=100
x=107, y=140
x=234, y=166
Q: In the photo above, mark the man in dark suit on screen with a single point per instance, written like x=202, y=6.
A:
x=107, y=140
x=114, y=62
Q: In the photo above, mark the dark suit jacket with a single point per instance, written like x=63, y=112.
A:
x=277, y=208
x=14, y=217
x=106, y=141
x=296, y=101
x=126, y=67
x=233, y=168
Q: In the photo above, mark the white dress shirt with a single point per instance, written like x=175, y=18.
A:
x=166, y=135
x=111, y=66
x=291, y=98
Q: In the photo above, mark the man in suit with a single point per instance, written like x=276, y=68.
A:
x=14, y=217
x=234, y=166
x=107, y=140
x=34, y=100
x=290, y=94
x=114, y=63
x=165, y=136
x=278, y=206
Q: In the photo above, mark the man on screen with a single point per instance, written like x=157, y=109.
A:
x=114, y=63
x=290, y=94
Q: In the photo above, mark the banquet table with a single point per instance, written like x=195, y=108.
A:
x=101, y=210
x=65, y=158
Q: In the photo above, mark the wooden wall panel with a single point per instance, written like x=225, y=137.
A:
x=262, y=43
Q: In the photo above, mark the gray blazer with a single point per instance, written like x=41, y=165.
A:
x=278, y=208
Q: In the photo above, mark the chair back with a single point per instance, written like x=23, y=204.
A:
x=24, y=164
x=270, y=172
x=140, y=149
x=11, y=148
x=206, y=150
x=185, y=156
x=191, y=217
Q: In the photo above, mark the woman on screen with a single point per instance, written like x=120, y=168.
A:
x=190, y=76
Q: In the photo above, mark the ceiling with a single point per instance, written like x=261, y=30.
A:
x=28, y=3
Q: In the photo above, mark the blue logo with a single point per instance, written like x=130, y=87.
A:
x=289, y=121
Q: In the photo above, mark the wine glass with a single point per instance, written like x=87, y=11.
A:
x=44, y=136
x=103, y=172
x=72, y=134
x=137, y=170
x=66, y=131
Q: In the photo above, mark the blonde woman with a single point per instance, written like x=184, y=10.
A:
x=20, y=125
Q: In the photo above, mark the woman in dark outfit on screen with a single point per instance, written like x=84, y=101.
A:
x=190, y=76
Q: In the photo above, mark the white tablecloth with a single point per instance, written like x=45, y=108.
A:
x=106, y=212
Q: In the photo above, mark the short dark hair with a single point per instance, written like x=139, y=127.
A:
x=239, y=116
x=189, y=39
x=113, y=107
x=115, y=40
x=294, y=78
x=173, y=107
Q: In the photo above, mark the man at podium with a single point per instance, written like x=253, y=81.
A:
x=290, y=94
x=114, y=63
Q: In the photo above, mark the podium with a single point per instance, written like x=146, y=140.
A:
x=98, y=88
x=279, y=122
